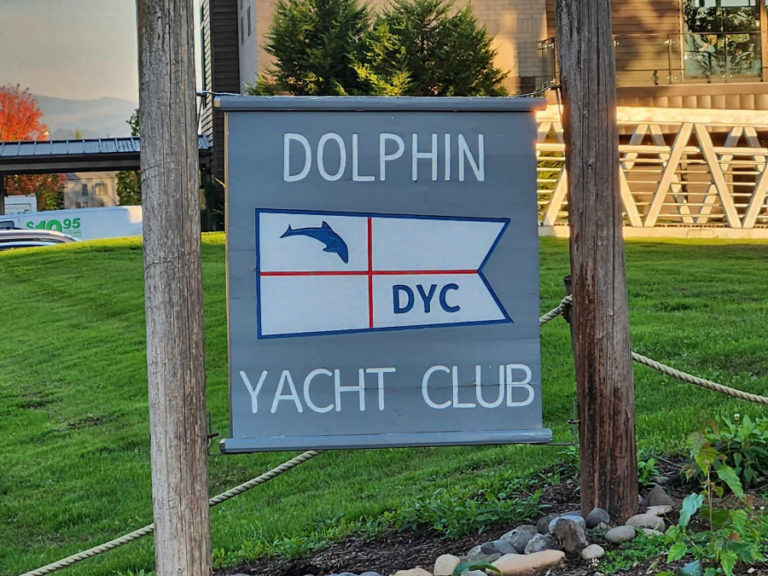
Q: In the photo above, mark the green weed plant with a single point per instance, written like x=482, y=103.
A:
x=735, y=533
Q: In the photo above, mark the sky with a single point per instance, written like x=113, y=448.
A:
x=76, y=49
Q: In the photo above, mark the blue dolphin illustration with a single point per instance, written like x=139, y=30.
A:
x=325, y=234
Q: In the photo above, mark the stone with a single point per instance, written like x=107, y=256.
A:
x=370, y=574
x=538, y=543
x=475, y=573
x=574, y=516
x=344, y=574
x=480, y=557
x=518, y=538
x=505, y=547
x=651, y=532
x=659, y=510
x=658, y=497
x=602, y=527
x=620, y=534
x=543, y=523
x=488, y=548
x=570, y=536
x=444, y=565
x=527, y=564
x=598, y=516
x=474, y=551
x=592, y=552
x=661, y=480
x=646, y=521
x=418, y=571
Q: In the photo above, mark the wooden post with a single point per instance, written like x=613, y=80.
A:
x=600, y=313
x=173, y=287
x=763, y=41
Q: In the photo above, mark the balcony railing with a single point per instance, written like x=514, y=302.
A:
x=692, y=58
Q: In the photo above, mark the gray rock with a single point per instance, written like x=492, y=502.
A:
x=505, y=547
x=370, y=574
x=488, y=548
x=538, y=543
x=646, y=521
x=570, y=535
x=592, y=552
x=480, y=557
x=345, y=574
x=651, y=532
x=519, y=537
x=474, y=551
x=475, y=573
x=597, y=516
x=661, y=480
x=620, y=534
x=658, y=497
x=660, y=510
x=543, y=523
x=573, y=516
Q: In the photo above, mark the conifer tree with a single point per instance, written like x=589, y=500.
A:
x=315, y=44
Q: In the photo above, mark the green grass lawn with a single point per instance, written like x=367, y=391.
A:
x=74, y=436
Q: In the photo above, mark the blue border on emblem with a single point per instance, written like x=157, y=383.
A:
x=505, y=320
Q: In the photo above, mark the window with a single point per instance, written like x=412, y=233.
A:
x=242, y=30
x=100, y=189
x=722, y=39
x=84, y=190
x=249, y=20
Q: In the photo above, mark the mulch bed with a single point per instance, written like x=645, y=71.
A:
x=395, y=551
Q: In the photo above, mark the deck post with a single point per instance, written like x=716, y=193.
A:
x=173, y=287
x=600, y=316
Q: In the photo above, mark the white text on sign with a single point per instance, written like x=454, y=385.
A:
x=323, y=390
x=443, y=157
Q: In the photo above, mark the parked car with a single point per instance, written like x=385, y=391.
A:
x=17, y=238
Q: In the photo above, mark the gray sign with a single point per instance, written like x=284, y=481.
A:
x=382, y=261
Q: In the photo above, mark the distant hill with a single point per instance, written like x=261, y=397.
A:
x=94, y=118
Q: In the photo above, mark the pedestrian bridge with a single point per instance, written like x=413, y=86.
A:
x=683, y=173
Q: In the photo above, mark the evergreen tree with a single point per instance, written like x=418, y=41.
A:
x=444, y=54
x=129, y=181
x=316, y=44
x=414, y=48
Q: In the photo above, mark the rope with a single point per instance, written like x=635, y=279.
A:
x=150, y=528
x=696, y=381
x=301, y=458
x=555, y=312
x=663, y=368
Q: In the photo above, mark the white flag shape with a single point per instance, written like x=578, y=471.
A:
x=330, y=272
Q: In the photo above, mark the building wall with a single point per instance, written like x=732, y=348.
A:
x=517, y=27
x=248, y=32
x=220, y=42
x=90, y=190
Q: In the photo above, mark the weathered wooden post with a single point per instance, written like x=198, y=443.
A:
x=173, y=281
x=600, y=309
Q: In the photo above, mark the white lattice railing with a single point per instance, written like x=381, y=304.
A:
x=680, y=170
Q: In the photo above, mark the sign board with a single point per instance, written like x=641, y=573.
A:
x=83, y=223
x=382, y=260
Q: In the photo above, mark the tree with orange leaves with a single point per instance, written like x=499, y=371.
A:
x=20, y=120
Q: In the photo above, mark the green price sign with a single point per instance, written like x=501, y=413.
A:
x=67, y=225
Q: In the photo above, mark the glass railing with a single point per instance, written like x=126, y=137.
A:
x=692, y=58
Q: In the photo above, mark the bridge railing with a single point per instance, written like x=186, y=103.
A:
x=679, y=170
